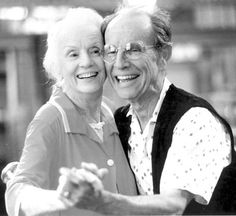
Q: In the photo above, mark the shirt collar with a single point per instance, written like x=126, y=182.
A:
x=72, y=117
x=156, y=111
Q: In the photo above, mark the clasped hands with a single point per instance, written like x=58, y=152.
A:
x=82, y=188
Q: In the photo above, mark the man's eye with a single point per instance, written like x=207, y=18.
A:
x=134, y=50
x=111, y=52
x=133, y=47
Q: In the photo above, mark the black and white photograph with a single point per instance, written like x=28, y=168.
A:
x=117, y=107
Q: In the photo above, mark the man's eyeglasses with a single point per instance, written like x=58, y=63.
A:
x=131, y=51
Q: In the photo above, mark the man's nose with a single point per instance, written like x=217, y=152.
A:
x=121, y=61
x=85, y=60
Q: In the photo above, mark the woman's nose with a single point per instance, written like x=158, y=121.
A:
x=85, y=60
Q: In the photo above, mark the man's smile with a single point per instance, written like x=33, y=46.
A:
x=126, y=78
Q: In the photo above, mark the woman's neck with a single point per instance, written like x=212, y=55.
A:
x=89, y=104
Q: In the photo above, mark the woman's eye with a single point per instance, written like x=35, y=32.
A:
x=73, y=54
x=95, y=51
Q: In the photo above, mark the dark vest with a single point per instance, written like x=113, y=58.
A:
x=176, y=103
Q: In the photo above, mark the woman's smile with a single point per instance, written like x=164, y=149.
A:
x=87, y=75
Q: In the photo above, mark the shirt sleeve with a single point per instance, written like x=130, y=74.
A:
x=33, y=168
x=199, y=151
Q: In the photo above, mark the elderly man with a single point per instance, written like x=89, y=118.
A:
x=177, y=144
x=179, y=148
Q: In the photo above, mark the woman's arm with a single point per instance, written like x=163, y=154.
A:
x=27, y=192
x=36, y=201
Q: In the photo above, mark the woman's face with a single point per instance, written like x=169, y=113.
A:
x=79, y=59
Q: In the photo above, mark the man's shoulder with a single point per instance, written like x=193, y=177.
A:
x=120, y=114
x=185, y=98
x=179, y=101
x=179, y=92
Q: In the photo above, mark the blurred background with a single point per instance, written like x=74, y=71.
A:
x=203, y=60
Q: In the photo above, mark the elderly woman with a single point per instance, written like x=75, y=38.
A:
x=73, y=126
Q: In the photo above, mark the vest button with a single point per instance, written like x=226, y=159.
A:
x=110, y=162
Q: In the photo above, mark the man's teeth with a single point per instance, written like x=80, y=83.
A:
x=126, y=78
x=87, y=75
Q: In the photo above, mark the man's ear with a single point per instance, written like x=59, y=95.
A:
x=167, y=52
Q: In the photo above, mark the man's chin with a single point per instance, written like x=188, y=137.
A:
x=126, y=95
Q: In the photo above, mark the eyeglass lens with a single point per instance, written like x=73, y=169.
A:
x=131, y=51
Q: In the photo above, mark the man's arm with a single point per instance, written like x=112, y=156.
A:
x=172, y=202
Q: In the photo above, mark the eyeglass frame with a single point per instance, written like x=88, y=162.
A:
x=142, y=45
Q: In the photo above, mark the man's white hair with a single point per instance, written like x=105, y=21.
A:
x=73, y=17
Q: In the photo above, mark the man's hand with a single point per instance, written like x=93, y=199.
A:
x=91, y=167
x=8, y=171
x=81, y=187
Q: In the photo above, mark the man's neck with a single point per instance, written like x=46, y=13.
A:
x=144, y=107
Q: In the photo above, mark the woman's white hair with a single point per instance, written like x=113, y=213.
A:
x=74, y=16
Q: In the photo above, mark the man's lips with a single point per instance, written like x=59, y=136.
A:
x=126, y=78
x=87, y=75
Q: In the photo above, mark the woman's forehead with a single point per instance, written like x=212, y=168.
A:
x=80, y=33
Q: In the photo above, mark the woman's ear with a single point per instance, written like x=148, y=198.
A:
x=167, y=52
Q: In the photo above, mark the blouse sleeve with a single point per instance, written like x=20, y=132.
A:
x=199, y=151
x=33, y=168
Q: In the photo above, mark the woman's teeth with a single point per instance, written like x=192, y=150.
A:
x=87, y=75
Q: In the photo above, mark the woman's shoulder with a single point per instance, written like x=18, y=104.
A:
x=46, y=122
x=47, y=113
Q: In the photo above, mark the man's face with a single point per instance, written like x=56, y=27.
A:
x=133, y=79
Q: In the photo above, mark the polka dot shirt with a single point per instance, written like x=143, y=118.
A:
x=141, y=146
x=199, y=151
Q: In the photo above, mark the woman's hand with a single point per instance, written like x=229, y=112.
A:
x=91, y=167
x=81, y=187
